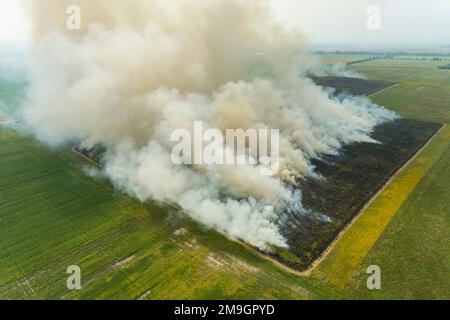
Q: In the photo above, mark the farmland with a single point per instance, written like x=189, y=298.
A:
x=343, y=58
x=423, y=92
x=52, y=215
x=354, y=86
x=413, y=252
x=350, y=180
x=339, y=265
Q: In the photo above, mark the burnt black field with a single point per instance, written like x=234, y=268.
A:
x=349, y=180
x=354, y=86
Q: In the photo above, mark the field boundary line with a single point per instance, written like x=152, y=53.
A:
x=86, y=158
x=385, y=89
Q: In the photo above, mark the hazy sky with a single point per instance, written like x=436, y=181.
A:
x=324, y=21
x=13, y=22
x=331, y=21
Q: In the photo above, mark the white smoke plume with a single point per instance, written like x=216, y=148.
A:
x=139, y=69
x=334, y=69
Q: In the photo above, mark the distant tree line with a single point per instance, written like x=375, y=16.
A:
x=445, y=67
x=365, y=60
x=386, y=54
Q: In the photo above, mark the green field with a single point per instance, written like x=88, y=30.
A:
x=414, y=252
x=344, y=58
x=52, y=216
x=11, y=95
x=423, y=92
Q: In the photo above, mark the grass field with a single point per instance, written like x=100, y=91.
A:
x=344, y=58
x=423, y=92
x=11, y=95
x=52, y=216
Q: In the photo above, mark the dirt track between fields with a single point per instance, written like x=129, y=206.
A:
x=382, y=90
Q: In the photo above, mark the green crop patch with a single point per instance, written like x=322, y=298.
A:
x=52, y=216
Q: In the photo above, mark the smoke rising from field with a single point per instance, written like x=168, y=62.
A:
x=141, y=69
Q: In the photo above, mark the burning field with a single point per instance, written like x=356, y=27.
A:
x=345, y=182
x=127, y=81
x=348, y=181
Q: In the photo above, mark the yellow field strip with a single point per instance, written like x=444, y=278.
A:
x=342, y=258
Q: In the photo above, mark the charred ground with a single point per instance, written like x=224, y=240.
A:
x=355, y=86
x=349, y=179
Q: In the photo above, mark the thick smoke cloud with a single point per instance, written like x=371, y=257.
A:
x=141, y=69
